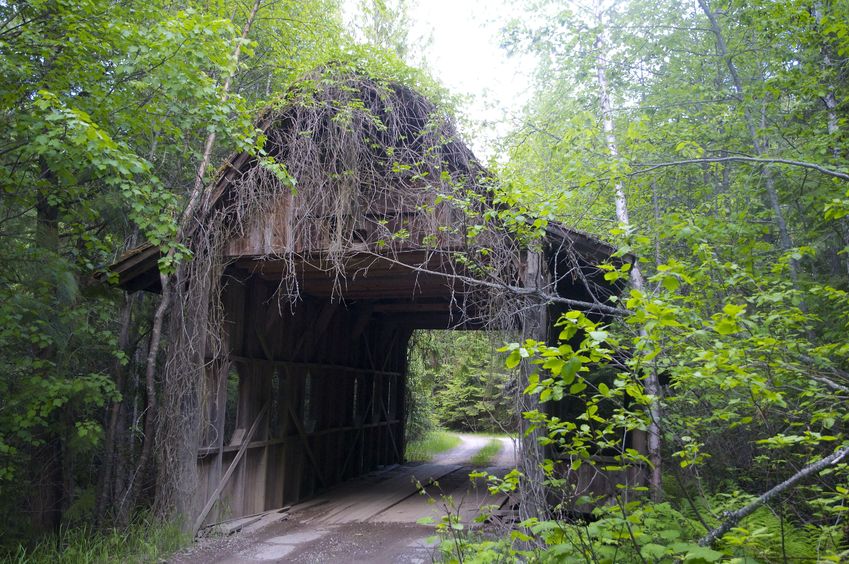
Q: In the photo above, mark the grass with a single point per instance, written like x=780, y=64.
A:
x=434, y=442
x=484, y=456
x=145, y=540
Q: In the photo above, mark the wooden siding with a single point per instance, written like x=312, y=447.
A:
x=324, y=384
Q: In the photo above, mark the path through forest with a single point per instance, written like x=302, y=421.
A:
x=370, y=519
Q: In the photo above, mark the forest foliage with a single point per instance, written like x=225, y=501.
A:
x=720, y=129
x=106, y=108
x=724, y=131
x=457, y=382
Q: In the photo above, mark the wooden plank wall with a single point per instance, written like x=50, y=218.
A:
x=334, y=379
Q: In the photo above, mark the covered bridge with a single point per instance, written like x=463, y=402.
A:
x=286, y=370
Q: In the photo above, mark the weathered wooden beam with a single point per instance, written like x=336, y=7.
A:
x=389, y=334
x=305, y=441
x=410, y=284
x=363, y=319
x=358, y=440
x=230, y=469
x=221, y=376
x=415, y=307
x=395, y=447
x=317, y=265
x=203, y=452
x=327, y=312
x=313, y=365
x=264, y=344
x=534, y=320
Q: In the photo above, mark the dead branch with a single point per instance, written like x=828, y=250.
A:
x=734, y=517
x=648, y=167
x=828, y=382
x=536, y=293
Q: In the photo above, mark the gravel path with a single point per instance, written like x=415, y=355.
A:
x=302, y=539
x=462, y=454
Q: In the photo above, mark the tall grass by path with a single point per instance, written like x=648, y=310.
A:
x=484, y=456
x=145, y=540
x=434, y=442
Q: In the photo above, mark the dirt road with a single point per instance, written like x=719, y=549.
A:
x=371, y=519
x=471, y=444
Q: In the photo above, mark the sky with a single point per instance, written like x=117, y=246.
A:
x=465, y=56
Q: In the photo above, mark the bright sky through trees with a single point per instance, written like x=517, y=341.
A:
x=465, y=56
x=459, y=42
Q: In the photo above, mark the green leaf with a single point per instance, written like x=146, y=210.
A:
x=598, y=336
x=702, y=554
x=726, y=326
x=671, y=283
x=653, y=551
x=513, y=359
x=570, y=369
x=554, y=365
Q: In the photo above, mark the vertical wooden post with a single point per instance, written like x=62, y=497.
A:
x=401, y=392
x=220, y=372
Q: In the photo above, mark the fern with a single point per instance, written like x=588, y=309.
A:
x=764, y=535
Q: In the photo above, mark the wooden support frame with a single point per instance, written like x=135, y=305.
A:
x=315, y=365
x=387, y=293
x=349, y=363
x=304, y=437
x=230, y=469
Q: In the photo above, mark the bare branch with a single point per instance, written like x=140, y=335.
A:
x=757, y=160
x=734, y=517
x=828, y=382
x=517, y=290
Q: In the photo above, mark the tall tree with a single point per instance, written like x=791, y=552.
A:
x=635, y=274
x=108, y=108
x=717, y=125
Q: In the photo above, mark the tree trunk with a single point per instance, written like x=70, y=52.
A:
x=651, y=383
x=195, y=208
x=137, y=481
x=105, y=480
x=769, y=179
x=833, y=125
x=534, y=321
x=47, y=467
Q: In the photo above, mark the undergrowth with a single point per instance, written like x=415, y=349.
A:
x=646, y=532
x=431, y=444
x=145, y=540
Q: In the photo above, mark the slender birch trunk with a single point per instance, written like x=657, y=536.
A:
x=651, y=383
x=830, y=99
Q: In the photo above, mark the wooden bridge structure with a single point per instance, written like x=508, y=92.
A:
x=313, y=391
